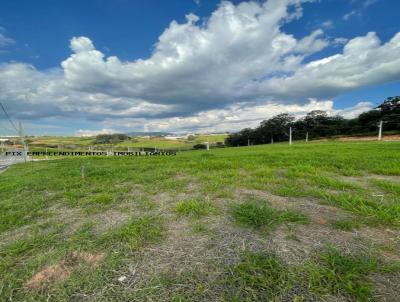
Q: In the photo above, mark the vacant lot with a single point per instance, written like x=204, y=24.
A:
x=135, y=142
x=308, y=222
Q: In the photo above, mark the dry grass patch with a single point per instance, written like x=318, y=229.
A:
x=179, y=252
x=53, y=274
x=318, y=213
x=294, y=244
x=109, y=219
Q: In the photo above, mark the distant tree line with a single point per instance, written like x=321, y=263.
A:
x=110, y=138
x=212, y=145
x=319, y=124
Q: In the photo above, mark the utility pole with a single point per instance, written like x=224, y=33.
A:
x=380, y=130
x=307, y=137
x=290, y=135
x=21, y=135
x=248, y=142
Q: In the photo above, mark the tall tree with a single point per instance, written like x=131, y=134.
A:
x=277, y=127
x=390, y=111
x=319, y=124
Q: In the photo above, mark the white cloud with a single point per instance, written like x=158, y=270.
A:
x=359, y=11
x=369, y=3
x=203, y=63
x=81, y=44
x=350, y=14
x=237, y=117
x=5, y=41
x=364, y=62
x=354, y=111
x=327, y=24
x=82, y=132
x=236, y=62
x=340, y=41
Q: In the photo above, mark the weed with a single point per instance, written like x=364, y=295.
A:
x=333, y=272
x=136, y=233
x=264, y=277
x=194, y=208
x=388, y=187
x=259, y=215
x=373, y=211
x=200, y=228
x=292, y=236
x=346, y=224
x=258, y=277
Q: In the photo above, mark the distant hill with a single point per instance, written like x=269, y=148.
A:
x=148, y=133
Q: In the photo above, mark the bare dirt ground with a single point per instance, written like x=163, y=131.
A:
x=185, y=252
x=60, y=271
x=388, y=138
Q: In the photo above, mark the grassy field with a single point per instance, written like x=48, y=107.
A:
x=135, y=142
x=307, y=222
x=62, y=140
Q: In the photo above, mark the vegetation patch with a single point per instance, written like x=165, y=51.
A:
x=318, y=124
x=136, y=233
x=258, y=277
x=264, y=277
x=388, y=187
x=345, y=224
x=194, y=208
x=47, y=212
x=371, y=211
x=261, y=216
x=333, y=272
x=200, y=228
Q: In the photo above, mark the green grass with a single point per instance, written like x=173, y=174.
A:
x=194, y=208
x=388, y=187
x=264, y=277
x=258, y=277
x=372, y=211
x=261, y=216
x=346, y=224
x=135, y=233
x=21, y=259
x=123, y=205
x=336, y=273
x=41, y=142
x=200, y=228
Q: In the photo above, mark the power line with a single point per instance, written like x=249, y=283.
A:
x=8, y=117
x=3, y=126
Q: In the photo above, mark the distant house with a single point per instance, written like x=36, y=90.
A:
x=186, y=136
x=174, y=138
x=5, y=142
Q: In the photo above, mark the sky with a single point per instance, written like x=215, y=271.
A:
x=72, y=67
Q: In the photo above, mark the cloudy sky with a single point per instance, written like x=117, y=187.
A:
x=84, y=67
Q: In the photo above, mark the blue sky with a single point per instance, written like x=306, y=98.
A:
x=218, y=67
